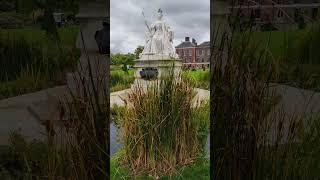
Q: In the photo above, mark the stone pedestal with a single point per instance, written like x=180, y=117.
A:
x=164, y=65
x=92, y=63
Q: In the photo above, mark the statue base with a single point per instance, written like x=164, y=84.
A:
x=150, y=67
x=83, y=80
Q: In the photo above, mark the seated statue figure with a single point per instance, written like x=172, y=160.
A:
x=159, y=38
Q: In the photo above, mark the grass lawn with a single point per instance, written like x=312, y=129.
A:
x=120, y=80
x=294, y=55
x=67, y=34
x=32, y=62
x=200, y=170
x=199, y=78
x=276, y=41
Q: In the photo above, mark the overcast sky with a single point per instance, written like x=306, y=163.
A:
x=185, y=17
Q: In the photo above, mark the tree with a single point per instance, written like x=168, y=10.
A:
x=138, y=50
x=121, y=59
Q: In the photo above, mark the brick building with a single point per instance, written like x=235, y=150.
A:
x=192, y=54
x=282, y=14
x=203, y=52
x=187, y=50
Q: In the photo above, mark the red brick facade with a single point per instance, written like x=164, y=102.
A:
x=188, y=55
x=193, y=54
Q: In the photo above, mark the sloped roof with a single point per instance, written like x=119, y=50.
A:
x=206, y=43
x=186, y=44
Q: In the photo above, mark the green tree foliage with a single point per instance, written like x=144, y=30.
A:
x=138, y=50
x=122, y=59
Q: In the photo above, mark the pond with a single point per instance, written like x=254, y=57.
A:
x=115, y=145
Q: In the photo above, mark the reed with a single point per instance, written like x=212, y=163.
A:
x=252, y=135
x=162, y=130
x=76, y=144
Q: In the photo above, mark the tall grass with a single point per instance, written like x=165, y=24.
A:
x=252, y=137
x=161, y=129
x=76, y=145
x=87, y=127
x=80, y=148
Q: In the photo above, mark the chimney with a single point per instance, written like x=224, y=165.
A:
x=194, y=41
x=187, y=39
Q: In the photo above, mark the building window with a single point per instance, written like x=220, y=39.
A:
x=208, y=52
x=200, y=52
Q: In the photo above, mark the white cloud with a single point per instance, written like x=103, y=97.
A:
x=186, y=18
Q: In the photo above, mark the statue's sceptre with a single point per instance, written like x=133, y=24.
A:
x=145, y=21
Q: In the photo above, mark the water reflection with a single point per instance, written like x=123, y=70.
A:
x=114, y=140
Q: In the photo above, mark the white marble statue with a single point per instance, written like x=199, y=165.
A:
x=159, y=38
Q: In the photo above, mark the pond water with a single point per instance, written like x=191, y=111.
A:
x=115, y=145
x=114, y=142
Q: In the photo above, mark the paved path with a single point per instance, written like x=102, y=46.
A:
x=297, y=101
x=14, y=113
x=295, y=105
